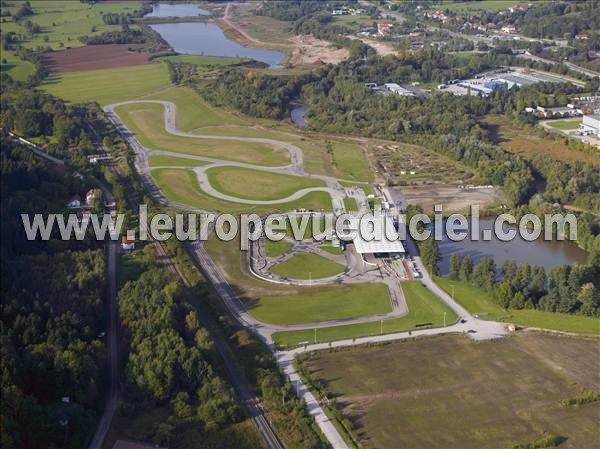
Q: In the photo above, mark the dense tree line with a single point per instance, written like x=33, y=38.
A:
x=52, y=313
x=567, y=288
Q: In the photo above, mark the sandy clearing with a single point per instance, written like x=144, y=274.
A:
x=451, y=197
x=310, y=50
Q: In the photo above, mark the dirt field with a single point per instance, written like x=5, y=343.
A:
x=382, y=48
x=451, y=197
x=310, y=50
x=452, y=393
x=94, y=57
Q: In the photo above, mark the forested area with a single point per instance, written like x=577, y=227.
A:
x=573, y=289
x=52, y=314
x=168, y=358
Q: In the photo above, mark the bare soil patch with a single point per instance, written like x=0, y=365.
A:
x=91, y=57
x=309, y=50
x=451, y=197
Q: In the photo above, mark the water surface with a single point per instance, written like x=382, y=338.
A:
x=297, y=115
x=548, y=254
x=202, y=38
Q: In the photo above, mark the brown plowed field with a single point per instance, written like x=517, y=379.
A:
x=91, y=57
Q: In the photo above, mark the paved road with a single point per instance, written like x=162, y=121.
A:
x=112, y=343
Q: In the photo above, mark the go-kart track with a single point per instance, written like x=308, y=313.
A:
x=355, y=272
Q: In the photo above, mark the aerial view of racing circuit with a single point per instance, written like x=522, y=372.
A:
x=347, y=224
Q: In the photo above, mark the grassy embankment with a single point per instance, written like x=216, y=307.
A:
x=565, y=125
x=423, y=307
x=480, y=302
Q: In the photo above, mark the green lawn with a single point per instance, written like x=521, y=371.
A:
x=350, y=162
x=170, y=161
x=193, y=112
x=276, y=248
x=146, y=120
x=182, y=186
x=315, y=224
x=322, y=304
x=331, y=249
x=17, y=68
x=108, y=85
x=423, y=307
x=480, y=302
x=203, y=60
x=350, y=205
x=565, y=125
x=307, y=266
x=64, y=21
x=256, y=184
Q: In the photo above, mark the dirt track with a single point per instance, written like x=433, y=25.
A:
x=91, y=57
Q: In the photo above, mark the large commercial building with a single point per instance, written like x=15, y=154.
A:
x=590, y=125
x=384, y=246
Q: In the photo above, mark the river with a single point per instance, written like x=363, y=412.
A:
x=548, y=254
x=205, y=38
x=297, y=114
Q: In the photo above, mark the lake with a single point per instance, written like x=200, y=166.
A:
x=202, y=38
x=548, y=254
x=176, y=10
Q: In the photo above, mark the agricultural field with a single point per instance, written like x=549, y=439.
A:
x=322, y=303
x=479, y=302
x=94, y=57
x=63, y=22
x=307, y=266
x=450, y=392
x=17, y=68
x=256, y=184
x=423, y=307
x=182, y=186
x=527, y=144
x=108, y=85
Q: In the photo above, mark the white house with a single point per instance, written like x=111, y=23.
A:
x=508, y=29
x=127, y=244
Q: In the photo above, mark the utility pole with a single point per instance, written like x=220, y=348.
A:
x=381, y=327
x=452, y=285
x=315, y=335
x=310, y=279
x=444, y=319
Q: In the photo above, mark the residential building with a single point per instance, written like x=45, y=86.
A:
x=508, y=29
x=127, y=244
x=74, y=201
x=90, y=196
x=384, y=28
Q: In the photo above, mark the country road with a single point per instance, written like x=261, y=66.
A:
x=112, y=247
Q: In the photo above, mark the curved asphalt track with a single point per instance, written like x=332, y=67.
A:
x=478, y=329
